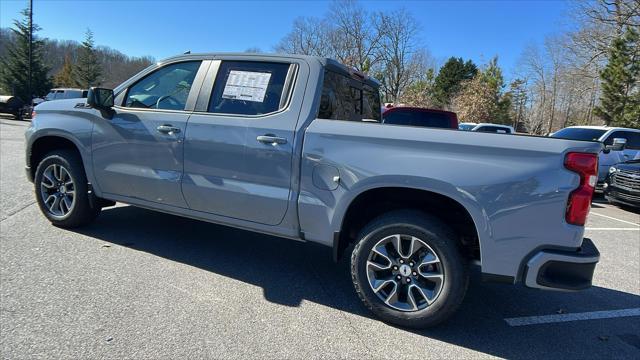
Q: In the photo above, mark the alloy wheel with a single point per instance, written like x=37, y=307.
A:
x=405, y=273
x=57, y=189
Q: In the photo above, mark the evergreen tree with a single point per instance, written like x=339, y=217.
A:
x=450, y=77
x=619, y=100
x=14, y=66
x=481, y=99
x=519, y=98
x=64, y=77
x=88, y=70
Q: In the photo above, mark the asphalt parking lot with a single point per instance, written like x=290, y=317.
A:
x=140, y=284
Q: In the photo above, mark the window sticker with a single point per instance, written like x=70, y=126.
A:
x=246, y=85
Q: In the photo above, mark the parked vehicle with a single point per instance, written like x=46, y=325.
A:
x=65, y=93
x=627, y=148
x=487, y=127
x=279, y=144
x=12, y=105
x=413, y=116
x=622, y=186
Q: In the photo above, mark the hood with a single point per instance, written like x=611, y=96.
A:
x=628, y=166
x=64, y=104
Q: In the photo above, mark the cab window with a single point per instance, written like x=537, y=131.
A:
x=166, y=88
x=250, y=88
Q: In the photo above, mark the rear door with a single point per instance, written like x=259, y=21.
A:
x=238, y=143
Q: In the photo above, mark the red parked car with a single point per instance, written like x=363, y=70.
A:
x=413, y=116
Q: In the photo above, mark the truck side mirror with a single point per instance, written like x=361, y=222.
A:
x=618, y=144
x=100, y=98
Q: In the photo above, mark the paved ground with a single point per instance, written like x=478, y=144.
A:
x=140, y=284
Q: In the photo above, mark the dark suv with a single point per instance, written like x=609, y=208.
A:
x=623, y=184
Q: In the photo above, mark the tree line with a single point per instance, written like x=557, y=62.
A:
x=59, y=63
x=585, y=76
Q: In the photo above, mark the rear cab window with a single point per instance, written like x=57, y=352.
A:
x=347, y=98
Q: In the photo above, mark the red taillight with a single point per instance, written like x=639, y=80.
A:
x=586, y=165
x=33, y=114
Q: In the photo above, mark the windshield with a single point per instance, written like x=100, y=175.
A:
x=579, y=134
x=466, y=127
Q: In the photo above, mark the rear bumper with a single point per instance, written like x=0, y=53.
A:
x=562, y=269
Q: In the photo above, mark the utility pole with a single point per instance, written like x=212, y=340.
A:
x=30, y=48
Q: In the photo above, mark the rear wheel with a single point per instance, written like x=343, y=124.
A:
x=61, y=190
x=407, y=269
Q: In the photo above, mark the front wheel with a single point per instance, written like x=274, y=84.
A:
x=61, y=190
x=407, y=269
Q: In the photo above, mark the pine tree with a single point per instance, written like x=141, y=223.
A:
x=449, y=80
x=64, y=77
x=88, y=70
x=14, y=67
x=482, y=100
x=519, y=99
x=619, y=100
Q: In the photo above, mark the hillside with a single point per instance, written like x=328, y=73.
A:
x=116, y=65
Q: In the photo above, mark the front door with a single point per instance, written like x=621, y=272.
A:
x=138, y=153
x=238, y=147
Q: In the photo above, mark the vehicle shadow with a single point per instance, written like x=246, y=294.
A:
x=290, y=272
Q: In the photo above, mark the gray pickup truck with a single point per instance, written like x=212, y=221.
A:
x=293, y=146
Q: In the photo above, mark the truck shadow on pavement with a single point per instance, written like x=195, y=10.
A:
x=290, y=272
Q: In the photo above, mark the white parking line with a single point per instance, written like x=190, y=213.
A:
x=592, y=315
x=612, y=229
x=612, y=218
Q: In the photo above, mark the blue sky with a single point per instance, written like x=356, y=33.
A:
x=470, y=29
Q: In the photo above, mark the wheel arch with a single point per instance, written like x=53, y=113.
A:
x=373, y=201
x=41, y=145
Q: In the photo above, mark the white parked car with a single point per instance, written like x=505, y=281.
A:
x=627, y=148
x=486, y=127
x=65, y=93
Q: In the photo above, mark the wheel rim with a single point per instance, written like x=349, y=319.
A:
x=405, y=273
x=58, y=191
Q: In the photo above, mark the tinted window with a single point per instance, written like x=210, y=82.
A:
x=579, y=134
x=249, y=88
x=165, y=88
x=344, y=98
x=633, y=139
x=417, y=118
x=494, y=129
x=72, y=94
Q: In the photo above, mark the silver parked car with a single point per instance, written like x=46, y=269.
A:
x=65, y=93
x=626, y=147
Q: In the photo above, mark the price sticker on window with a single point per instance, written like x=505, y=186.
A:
x=246, y=85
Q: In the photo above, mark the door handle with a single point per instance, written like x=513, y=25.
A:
x=271, y=139
x=168, y=129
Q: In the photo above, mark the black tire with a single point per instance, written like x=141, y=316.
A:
x=82, y=210
x=440, y=239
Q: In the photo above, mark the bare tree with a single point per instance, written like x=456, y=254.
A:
x=355, y=37
x=309, y=36
x=399, y=52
